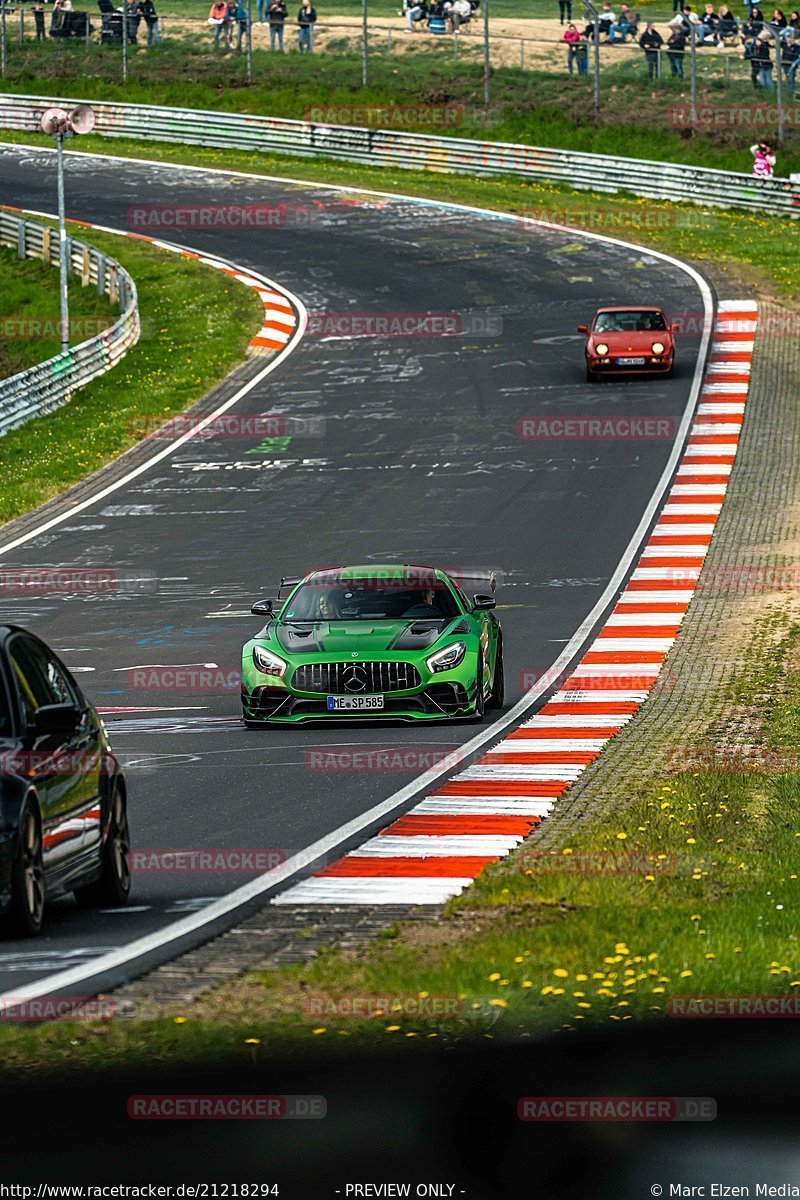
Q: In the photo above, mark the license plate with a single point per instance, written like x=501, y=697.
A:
x=630, y=362
x=354, y=703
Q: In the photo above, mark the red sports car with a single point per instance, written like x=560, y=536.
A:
x=625, y=340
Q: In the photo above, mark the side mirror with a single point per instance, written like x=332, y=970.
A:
x=57, y=718
x=484, y=602
x=583, y=329
x=262, y=608
x=675, y=328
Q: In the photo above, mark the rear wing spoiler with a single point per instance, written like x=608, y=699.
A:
x=474, y=580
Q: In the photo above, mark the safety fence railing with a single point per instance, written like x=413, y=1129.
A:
x=422, y=152
x=48, y=385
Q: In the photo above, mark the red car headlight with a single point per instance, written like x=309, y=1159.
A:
x=657, y=347
x=601, y=349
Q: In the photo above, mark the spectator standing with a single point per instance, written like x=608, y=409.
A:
x=147, y=11
x=676, y=48
x=306, y=17
x=762, y=55
x=572, y=39
x=237, y=15
x=38, y=19
x=218, y=17
x=651, y=42
x=565, y=9
x=764, y=160
x=277, y=15
x=790, y=60
x=794, y=21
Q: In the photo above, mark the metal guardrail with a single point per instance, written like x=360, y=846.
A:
x=422, y=152
x=45, y=387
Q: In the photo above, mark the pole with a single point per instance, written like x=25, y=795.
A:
x=62, y=247
x=3, y=38
x=589, y=10
x=249, y=41
x=693, y=40
x=776, y=34
x=455, y=45
x=125, y=40
x=487, y=66
x=364, y=48
x=21, y=26
x=521, y=55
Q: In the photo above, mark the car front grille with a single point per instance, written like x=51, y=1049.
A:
x=355, y=678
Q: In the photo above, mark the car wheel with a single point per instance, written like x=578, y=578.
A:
x=113, y=887
x=480, y=700
x=670, y=372
x=26, y=911
x=497, y=694
x=591, y=376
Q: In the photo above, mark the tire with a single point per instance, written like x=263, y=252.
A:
x=669, y=374
x=480, y=700
x=591, y=376
x=26, y=911
x=497, y=694
x=113, y=887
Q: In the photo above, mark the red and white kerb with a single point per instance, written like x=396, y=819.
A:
x=434, y=851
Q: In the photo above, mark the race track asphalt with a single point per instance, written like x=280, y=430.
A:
x=419, y=461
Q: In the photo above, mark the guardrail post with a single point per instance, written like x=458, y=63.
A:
x=113, y=283
x=3, y=38
x=389, y=42
x=46, y=235
x=21, y=240
x=86, y=31
x=86, y=267
x=101, y=274
x=521, y=55
x=455, y=45
x=364, y=44
x=21, y=25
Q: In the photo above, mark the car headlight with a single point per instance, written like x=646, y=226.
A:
x=602, y=349
x=658, y=347
x=267, y=662
x=451, y=656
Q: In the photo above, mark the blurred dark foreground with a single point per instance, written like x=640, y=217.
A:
x=418, y=1116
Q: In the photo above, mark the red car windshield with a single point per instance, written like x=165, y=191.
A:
x=630, y=322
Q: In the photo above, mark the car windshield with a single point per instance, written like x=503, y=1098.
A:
x=630, y=322
x=366, y=600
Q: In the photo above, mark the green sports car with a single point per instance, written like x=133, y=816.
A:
x=392, y=642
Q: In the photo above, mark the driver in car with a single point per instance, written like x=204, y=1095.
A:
x=425, y=605
x=326, y=607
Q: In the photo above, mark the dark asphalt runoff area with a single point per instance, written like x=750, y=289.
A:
x=419, y=461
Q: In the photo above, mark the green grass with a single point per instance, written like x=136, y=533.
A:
x=29, y=312
x=196, y=325
x=535, y=107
